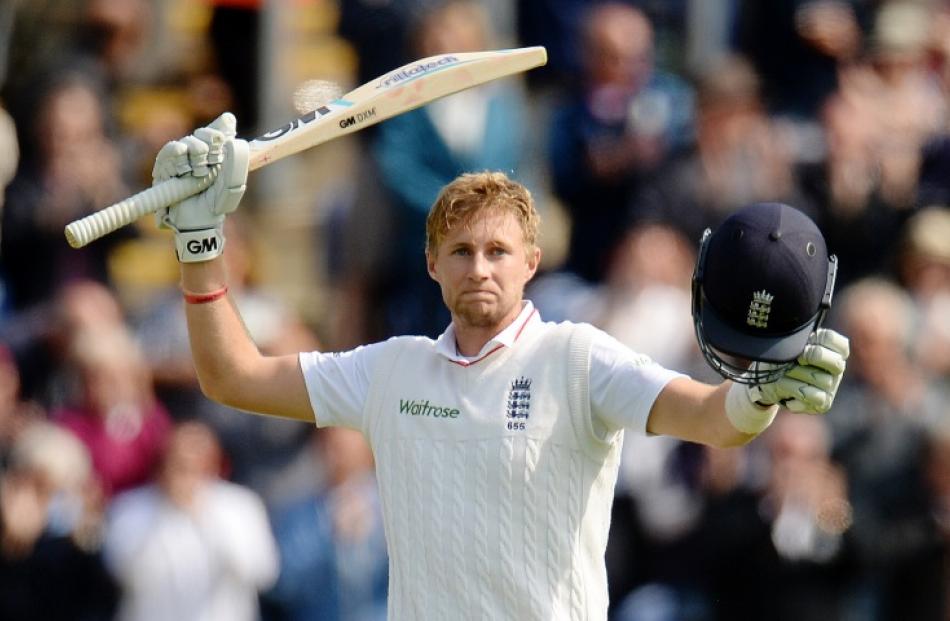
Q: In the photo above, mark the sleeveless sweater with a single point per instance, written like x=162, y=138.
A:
x=496, y=490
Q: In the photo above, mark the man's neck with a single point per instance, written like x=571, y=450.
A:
x=469, y=339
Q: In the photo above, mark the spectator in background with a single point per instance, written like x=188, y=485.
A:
x=923, y=267
x=938, y=482
x=761, y=536
x=39, y=339
x=739, y=158
x=118, y=42
x=644, y=301
x=334, y=539
x=13, y=414
x=555, y=25
x=106, y=40
x=935, y=170
x=138, y=55
x=764, y=537
x=798, y=46
x=190, y=545
x=66, y=172
x=9, y=160
x=235, y=37
x=420, y=151
x=50, y=520
x=876, y=125
x=843, y=187
x=709, y=33
x=935, y=167
x=806, y=506
x=623, y=120
x=378, y=32
x=115, y=412
x=9, y=154
x=879, y=433
x=648, y=284
x=113, y=36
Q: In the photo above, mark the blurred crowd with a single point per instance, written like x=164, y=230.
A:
x=126, y=494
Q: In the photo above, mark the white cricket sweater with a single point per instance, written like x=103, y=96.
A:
x=496, y=491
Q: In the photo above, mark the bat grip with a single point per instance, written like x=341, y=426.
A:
x=92, y=227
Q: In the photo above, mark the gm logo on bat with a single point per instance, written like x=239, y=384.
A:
x=357, y=118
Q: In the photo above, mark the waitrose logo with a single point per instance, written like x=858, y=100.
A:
x=424, y=408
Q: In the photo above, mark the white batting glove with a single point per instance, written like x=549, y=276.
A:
x=809, y=386
x=198, y=220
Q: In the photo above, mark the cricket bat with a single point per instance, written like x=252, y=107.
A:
x=398, y=91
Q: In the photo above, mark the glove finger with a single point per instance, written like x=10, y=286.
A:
x=816, y=400
x=813, y=398
x=159, y=167
x=813, y=376
x=794, y=405
x=226, y=124
x=232, y=179
x=170, y=160
x=215, y=141
x=799, y=407
x=823, y=358
x=197, y=156
x=834, y=341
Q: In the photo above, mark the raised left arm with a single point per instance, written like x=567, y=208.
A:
x=694, y=411
x=731, y=414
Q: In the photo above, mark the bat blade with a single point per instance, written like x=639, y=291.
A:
x=393, y=93
x=396, y=92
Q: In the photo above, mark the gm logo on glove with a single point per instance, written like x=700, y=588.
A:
x=201, y=246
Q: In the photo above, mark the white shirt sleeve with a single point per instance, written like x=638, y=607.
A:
x=235, y=523
x=623, y=385
x=131, y=517
x=338, y=384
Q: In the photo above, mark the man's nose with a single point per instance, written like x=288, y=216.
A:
x=480, y=268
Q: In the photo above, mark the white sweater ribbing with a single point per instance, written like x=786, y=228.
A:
x=485, y=520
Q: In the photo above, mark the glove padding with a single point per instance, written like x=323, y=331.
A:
x=811, y=384
x=198, y=220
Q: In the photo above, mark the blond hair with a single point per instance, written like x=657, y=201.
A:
x=472, y=196
x=54, y=452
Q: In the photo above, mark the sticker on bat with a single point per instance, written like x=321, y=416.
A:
x=404, y=75
x=274, y=134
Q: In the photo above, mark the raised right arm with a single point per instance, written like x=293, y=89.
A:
x=231, y=369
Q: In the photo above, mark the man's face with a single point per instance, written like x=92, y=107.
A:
x=483, y=269
x=620, y=48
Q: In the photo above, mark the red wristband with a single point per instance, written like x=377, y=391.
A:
x=204, y=298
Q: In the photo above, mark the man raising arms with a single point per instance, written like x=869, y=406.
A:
x=496, y=445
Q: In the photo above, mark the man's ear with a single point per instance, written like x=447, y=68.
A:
x=430, y=266
x=534, y=260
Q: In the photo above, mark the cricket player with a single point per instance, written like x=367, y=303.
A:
x=497, y=444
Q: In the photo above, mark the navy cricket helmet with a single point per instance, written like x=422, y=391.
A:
x=763, y=283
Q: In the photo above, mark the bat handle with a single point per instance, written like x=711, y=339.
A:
x=81, y=232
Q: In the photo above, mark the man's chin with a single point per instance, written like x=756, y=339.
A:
x=478, y=315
